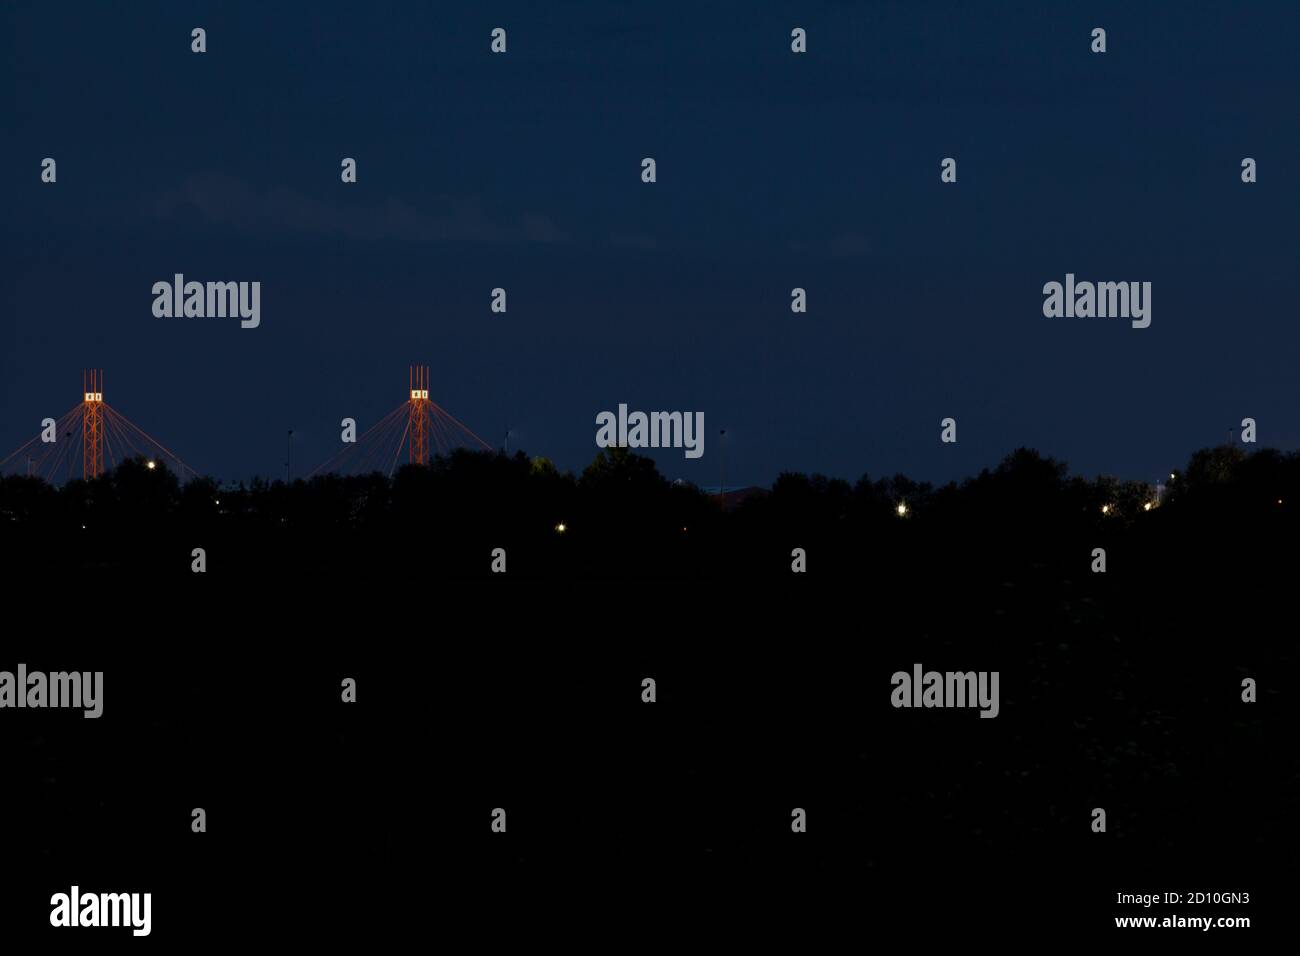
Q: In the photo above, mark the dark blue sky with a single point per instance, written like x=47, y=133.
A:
x=775, y=171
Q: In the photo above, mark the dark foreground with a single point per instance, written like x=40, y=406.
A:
x=371, y=821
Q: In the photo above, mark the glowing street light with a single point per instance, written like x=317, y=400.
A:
x=1146, y=506
x=902, y=509
x=152, y=465
x=561, y=528
x=1105, y=509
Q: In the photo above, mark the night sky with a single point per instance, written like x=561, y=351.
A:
x=775, y=170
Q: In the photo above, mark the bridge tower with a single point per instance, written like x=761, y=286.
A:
x=417, y=422
x=92, y=424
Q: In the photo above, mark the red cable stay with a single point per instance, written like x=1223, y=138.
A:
x=76, y=444
x=412, y=432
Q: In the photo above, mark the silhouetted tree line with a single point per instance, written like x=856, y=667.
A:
x=620, y=517
x=1121, y=689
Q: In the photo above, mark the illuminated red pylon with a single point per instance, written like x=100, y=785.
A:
x=92, y=424
x=417, y=425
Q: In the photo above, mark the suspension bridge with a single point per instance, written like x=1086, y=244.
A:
x=81, y=440
x=87, y=434
x=419, y=427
